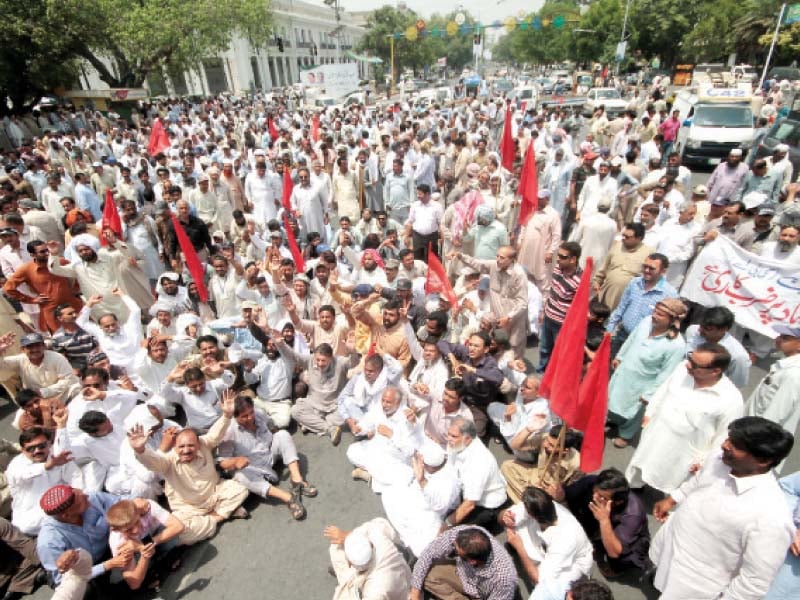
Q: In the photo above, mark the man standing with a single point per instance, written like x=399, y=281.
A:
x=727, y=177
x=51, y=290
x=676, y=242
x=777, y=396
x=669, y=129
x=311, y=204
x=398, y=190
x=566, y=278
x=538, y=242
x=422, y=227
x=639, y=299
x=261, y=194
x=86, y=198
x=689, y=414
x=508, y=296
x=732, y=527
x=623, y=262
x=714, y=328
x=345, y=191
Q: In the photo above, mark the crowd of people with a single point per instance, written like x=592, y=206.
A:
x=271, y=278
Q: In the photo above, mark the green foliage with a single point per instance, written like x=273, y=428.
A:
x=419, y=53
x=36, y=55
x=43, y=39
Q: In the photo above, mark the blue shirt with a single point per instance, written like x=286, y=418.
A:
x=638, y=303
x=55, y=537
x=87, y=199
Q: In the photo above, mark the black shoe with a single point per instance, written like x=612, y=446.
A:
x=41, y=578
x=648, y=575
x=14, y=596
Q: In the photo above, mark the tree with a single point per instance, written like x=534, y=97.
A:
x=662, y=26
x=144, y=36
x=35, y=56
x=713, y=36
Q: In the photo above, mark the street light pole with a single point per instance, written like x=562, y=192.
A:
x=624, y=28
x=772, y=47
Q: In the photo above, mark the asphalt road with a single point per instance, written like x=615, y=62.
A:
x=271, y=556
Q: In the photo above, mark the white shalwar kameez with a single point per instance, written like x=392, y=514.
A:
x=562, y=551
x=685, y=425
x=388, y=460
x=417, y=513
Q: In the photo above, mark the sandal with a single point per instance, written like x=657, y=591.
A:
x=620, y=443
x=297, y=510
x=305, y=488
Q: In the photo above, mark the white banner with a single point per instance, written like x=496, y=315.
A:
x=760, y=292
x=336, y=80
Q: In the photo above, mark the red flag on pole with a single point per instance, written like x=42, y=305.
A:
x=315, y=127
x=297, y=256
x=159, y=142
x=273, y=132
x=192, y=260
x=437, y=281
x=507, y=148
x=562, y=378
x=110, y=218
x=528, y=187
x=288, y=186
x=592, y=405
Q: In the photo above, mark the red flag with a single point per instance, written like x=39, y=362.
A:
x=507, y=148
x=297, y=256
x=159, y=142
x=110, y=218
x=528, y=187
x=190, y=257
x=273, y=132
x=437, y=281
x=592, y=405
x=315, y=127
x=562, y=378
x=288, y=186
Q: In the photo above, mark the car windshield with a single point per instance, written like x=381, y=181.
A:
x=608, y=94
x=723, y=116
x=525, y=94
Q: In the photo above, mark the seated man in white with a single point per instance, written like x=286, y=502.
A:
x=483, y=488
x=550, y=543
x=96, y=395
x=527, y=411
x=273, y=373
x=427, y=379
x=365, y=389
x=40, y=466
x=201, y=400
x=417, y=510
x=384, y=458
x=101, y=445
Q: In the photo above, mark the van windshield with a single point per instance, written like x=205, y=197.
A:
x=723, y=116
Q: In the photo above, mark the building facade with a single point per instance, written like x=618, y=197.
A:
x=304, y=35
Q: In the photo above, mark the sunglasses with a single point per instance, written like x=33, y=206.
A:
x=35, y=447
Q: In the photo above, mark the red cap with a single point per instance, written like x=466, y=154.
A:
x=57, y=499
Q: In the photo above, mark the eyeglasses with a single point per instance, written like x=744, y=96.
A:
x=35, y=447
x=563, y=256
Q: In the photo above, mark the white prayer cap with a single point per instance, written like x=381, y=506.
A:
x=754, y=199
x=162, y=306
x=735, y=152
x=432, y=454
x=172, y=276
x=87, y=240
x=782, y=148
x=543, y=193
x=358, y=549
x=140, y=415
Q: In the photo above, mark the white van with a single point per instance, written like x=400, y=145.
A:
x=713, y=122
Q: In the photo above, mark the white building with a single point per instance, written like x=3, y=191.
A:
x=307, y=32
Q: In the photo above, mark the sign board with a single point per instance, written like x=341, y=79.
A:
x=441, y=62
x=337, y=80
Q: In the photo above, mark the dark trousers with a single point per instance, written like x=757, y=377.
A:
x=547, y=341
x=421, y=243
x=19, y=562
x=618, y=340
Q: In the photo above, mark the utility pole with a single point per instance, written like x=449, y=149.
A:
x=334, y=4
x=624, y=29
x=772, y=47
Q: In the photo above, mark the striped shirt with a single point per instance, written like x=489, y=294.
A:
x=75, y=347
x=562, y=291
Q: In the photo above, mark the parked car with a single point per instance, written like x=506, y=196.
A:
x=608, y=97
x=784, y=131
